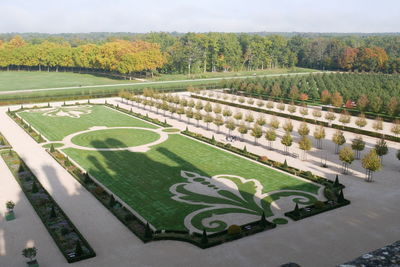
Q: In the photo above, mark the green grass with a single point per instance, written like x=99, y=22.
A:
x=20, y=80
x=56, y=128
x=144, y=180
x=55, y=145
x=166, y=77
x=115, y=138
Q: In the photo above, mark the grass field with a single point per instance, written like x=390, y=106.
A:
x=113, y=138
x=170, y=185
x=20, y=80
x=23, y=80
x=58, y=127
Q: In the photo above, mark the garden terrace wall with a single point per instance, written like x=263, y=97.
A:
x=24, y=176
x=294, y=117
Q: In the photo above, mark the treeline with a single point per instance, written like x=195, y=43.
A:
x=120, y=56
x=378, y=93
x=204, y=52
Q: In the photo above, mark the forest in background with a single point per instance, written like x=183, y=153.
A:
x=160, y=52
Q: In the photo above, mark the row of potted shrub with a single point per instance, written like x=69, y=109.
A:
x=68, y=239
x=294, y=117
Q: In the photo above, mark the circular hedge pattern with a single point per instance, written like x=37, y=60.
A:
x=115, y=138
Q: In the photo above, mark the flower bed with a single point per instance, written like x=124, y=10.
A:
x=62, y=230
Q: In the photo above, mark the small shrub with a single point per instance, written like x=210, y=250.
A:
x=234, y=229
x=64, y=231
x=99, y=190
x=129, y=217
x=264, y=159
x=319, y=204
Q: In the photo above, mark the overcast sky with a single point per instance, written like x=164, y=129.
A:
x=56, y=16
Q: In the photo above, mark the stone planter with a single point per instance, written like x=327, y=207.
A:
x=32, y=263
x=10, y=216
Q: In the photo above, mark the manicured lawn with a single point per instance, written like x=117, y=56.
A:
x=115, y=138
x=57, y=127
x=154, y=183
x=143, y=180
x=20, y=80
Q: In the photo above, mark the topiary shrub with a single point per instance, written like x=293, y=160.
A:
x=234, y=229
x=319, y=204
x=263, y=159
x=34, y=187
x=99, y=190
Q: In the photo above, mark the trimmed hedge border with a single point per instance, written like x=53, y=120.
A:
x=325, y=124
x=17, y=119
x=69, y=259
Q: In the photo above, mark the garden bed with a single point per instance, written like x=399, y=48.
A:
x=62, y=230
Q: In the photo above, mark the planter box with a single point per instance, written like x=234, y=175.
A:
x=33, y=263
x=10, y=216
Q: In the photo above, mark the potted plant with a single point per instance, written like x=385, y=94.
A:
x=30, y=253
x=10, y=210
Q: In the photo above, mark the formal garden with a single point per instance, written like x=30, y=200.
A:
x=163, y=184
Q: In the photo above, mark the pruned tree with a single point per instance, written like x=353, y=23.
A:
x=256, y=132
x=361, y=121
x=242, y=129
x=319, y=135
x=381, y=148
x=346, y=155
x=377, y=125
x=303, y=129
x=270, y=135
x=230, y=125
x=358, y=145
x=287, y=141
x=339, y=139
x=274, y=123
x=218, y=121
x=288, y=126
x=305, y=145
x=371, y=163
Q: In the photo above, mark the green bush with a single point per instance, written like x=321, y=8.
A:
x=234, y=229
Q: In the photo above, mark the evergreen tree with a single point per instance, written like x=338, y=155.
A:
x=34, y=187
x=148, y=233
x=204, y=238
x=78, y=249
x=53, y=212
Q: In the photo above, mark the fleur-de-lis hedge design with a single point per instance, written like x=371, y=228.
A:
x=221, y=195
x=71, y=111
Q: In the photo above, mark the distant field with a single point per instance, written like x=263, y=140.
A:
x=21, y=80
x=25, y=80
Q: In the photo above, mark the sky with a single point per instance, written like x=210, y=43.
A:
x=60, y=16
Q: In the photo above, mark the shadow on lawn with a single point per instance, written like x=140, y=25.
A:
x=144, y=184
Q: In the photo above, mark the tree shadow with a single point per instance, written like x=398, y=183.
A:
x=144, y=181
